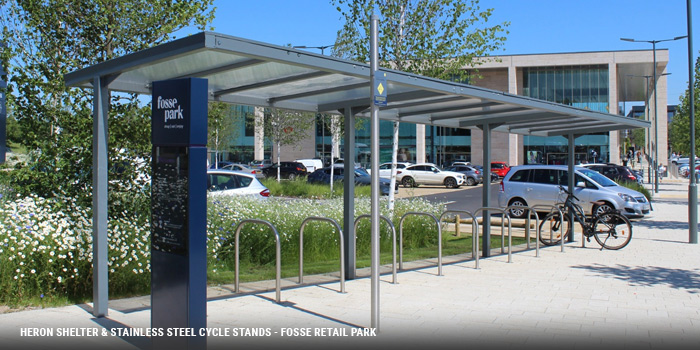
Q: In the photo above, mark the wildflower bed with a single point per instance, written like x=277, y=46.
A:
x=46, y=244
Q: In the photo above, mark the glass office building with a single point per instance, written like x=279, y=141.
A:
x=598, y=81
x=584, y=87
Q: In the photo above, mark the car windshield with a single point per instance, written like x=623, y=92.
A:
x=597, y=177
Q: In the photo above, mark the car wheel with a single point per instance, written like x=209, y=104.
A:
x=408, y=182
x=517, y=212
x=471, y=182
x=292, y=176
x=450, y=182
x=603, y=208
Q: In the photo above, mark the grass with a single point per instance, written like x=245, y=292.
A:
x=452, y=245
x=300, y=188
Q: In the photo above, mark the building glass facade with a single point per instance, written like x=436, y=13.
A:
x=443, y=145
x=242, y=149
x=584, y=87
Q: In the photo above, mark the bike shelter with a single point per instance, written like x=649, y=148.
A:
x=245, y=72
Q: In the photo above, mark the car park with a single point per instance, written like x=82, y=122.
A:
x=385, y=169
x=538, y=185
x=287, y=170
x=615, y=172
x=472, y=175
x=229, y=182
x=429, y=174
x=362, y=177
x=244, y=169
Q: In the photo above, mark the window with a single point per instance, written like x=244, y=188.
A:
x=220, y=182
x=520, y=176
x=544, y=176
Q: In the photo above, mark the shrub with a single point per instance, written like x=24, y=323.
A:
x=637, y=187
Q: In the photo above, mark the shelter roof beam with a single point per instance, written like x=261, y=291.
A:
x=272, y=82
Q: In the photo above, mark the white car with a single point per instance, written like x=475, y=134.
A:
x=228, y=182
x=429, y=174
x=385, y=169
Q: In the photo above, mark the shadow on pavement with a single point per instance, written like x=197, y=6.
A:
x=292, y=305
x=663, y=225
x=650, y=276
x=121, y=330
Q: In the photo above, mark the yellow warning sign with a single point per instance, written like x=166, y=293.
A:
x=380, y=88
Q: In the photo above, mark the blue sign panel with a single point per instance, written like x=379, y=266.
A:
x=179, y=211
x=177, y=109
x=379, y=90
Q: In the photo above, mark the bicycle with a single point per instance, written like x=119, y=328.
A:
x=610, y=229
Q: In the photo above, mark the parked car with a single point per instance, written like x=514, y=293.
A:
x=473, y=176
x=385, y=169
x=500, y=168
x=494, y=176
x=244, y=169
x=341, y=161
x=615, y=172
x=288, y=170
x=429, y=174
x=362, y=177
x=311, y=164
x=219, y=165
x=535, y=185
x=259, y=164
x=229, y=182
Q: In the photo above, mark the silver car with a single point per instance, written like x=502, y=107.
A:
x=473, y=175
x=244, y=169
x=228, y=182
x=538, y=185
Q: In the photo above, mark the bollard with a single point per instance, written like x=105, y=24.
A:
x=457, y=233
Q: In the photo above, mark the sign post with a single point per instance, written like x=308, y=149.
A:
x=178, y=212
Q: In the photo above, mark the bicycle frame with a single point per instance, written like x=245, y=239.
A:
x=577, y=210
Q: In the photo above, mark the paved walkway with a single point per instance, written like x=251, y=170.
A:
x=645, y=296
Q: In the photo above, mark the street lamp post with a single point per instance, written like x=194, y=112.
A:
x=646, y=113
x=656, y=107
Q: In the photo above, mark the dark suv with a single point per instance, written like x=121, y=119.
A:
x=615, y=172
x=288, y=170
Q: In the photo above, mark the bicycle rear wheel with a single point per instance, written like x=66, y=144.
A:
x=552, y=228
x=612, y=231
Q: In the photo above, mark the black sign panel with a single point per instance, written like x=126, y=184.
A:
x=169, y=198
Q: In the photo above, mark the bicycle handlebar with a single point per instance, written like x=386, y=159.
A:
x=567, y=192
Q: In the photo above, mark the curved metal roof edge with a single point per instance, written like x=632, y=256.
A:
x=270, y=52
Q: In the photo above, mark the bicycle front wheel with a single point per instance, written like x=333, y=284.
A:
x=612, y=231
x=552, y=228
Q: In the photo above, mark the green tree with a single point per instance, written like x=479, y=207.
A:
x=47, y=39
x=679, y=129
x=224, y=123
x=287, y=128
x=434, y=38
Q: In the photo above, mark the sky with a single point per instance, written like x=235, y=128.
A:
x=536, y=26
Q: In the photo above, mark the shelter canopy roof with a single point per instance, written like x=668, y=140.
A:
x=241, y=71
